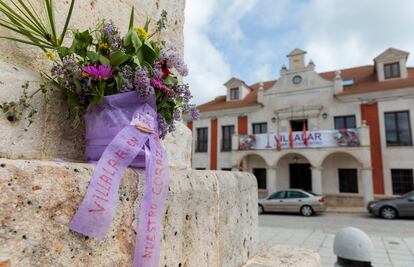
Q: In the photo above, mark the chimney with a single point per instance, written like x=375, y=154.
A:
x=338, y=86
x=260, y=93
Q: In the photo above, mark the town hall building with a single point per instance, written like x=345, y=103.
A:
x=346, y=134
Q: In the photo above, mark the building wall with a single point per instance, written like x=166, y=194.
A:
x=201, y=159
x=310, y=99
x=330, y=177
x=401, y=157
x=224, y=157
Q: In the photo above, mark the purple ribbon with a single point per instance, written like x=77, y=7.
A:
x=97, y=210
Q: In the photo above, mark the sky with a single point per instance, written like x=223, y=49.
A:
x=249, y=39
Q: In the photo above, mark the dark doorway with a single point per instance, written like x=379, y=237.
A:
x=300, y=176
x=261, y=177
x=297, y=125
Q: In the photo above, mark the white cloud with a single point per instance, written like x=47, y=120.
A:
x=208, y=67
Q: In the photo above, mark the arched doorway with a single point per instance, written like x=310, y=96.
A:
x=342, y=179
x=256, y=165
x=294, y=171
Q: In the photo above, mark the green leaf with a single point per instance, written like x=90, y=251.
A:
x=104, y=60
x=147, y=23
x=127, y=39
x=77, y=83
x=92, y=55
x=140, y=56
x=136, y=60
x=68, y=17
x=81, y=42
x=136, y=42
x=118, y=57
x=149, y=53
x=119, y=81
x=51, y=17
x=63, y=51
x=27, y=42
x=170, y=81
x=131, y=19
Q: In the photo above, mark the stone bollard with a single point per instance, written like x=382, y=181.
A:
x=353, y=248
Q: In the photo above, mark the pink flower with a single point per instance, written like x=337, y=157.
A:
x=100, y=72
x=158, y=84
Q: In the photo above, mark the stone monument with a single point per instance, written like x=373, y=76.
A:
x=210, y=217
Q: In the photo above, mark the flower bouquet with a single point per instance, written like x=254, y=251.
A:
x=130, y=91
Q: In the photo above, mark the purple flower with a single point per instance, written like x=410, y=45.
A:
x=162, y=126
x=128, y=77
x=114, y=38
x=173, y=59
x=192, y=110
x=142, y=82
x=100, y=72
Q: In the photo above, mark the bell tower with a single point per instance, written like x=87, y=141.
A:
x=296, y=59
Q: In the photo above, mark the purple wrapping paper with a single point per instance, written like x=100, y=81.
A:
x=105, y=121
x=134, y=142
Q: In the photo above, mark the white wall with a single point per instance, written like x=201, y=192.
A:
x=224, y=157
x=201, y=159
x=401, y=157
x=330, y=177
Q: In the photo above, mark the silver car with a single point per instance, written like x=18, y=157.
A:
x=392, y=208
x=293, y=200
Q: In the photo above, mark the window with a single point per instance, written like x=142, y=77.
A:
x=402, y=181
x=347, y=82
x=392, y=70
x=259, y=128
x=234, y=93
x=278, y=195
x=398, y=129
x=297, y=125
x=202, y=139
x=296, y=194
x=345, y=122
x=261, y=177
x=227, y=132
x=348, y=180
x=226, y=169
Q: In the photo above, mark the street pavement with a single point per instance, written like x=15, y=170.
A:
x=393, y=240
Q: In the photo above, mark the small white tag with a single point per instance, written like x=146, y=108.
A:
x=143, y=122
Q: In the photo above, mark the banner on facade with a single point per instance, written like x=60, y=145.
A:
x=311, y=139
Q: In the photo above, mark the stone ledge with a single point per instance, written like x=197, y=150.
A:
x=284, y=256
x=210, y=217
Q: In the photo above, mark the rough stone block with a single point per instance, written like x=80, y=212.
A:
x=210, y=217
x=284, y=256
x=51, y=136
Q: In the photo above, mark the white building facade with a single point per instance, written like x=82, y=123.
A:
x=346, y=134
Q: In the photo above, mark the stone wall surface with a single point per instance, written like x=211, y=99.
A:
x=210, y=217
x=51, y=136
x=284, y=256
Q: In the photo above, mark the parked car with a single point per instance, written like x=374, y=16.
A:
x=392, y=208
x=293, y=200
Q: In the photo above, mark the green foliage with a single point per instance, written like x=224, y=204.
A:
x=81, y=43
x=98, y=63
x=35, y=24
x=118, y=58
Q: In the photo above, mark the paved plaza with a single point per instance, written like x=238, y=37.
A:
x=393, y=240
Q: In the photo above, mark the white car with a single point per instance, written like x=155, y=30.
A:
x=293, y=200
